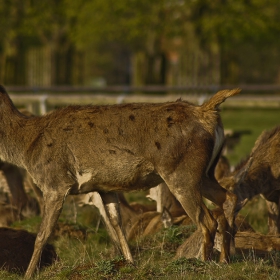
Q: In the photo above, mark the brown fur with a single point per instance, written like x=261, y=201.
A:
x=137, y=225
x=222, y=168
x=125, y=147
x=260, y=174
x=71, y=231
x=16, y=248
x=165, y=199
x=24, y=205
x=141, y=208
x=8, y=214
x=245, y=241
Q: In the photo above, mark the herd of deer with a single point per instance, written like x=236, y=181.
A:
x=174, y=149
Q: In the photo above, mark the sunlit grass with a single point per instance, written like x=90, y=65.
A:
x=96, y=258
x=255, y=120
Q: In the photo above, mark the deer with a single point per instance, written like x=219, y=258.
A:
x=167, y=204
x=259, y=174
x=166, y=200
x=119, y=148
x=14, y=190
x=16, y=186
x=136, y=223
x=13, y=241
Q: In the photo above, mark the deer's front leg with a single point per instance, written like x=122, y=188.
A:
x=53, y=203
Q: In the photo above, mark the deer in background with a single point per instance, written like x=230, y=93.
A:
x=119, y=148
x=135, y=222
x=259, y=174
x=138, y=220
x=16, y=202
x=165, y=200
x=20, y=197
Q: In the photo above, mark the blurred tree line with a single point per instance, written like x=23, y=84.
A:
x=139, y=42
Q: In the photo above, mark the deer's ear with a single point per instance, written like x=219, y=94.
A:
x=242, y=173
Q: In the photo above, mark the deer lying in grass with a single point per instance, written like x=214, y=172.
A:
x=119, y=148
x=135, y=224
x=141, y=223
x=259, y=174
x=16, y=246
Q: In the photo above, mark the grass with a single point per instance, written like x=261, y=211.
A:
x=95, y=257
x=255, y=120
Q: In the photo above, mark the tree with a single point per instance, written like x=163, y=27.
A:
x=144, y=28
x=49, y=25
x=11, y=16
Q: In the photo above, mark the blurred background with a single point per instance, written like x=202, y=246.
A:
x=137, y=43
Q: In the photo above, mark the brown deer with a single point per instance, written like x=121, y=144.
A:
x=16, y=246
x=16, y=204
x=259, y=174
x=222, y=168
x=166, y=200
x=134, y=223
x=119, y=148
x=18, y=190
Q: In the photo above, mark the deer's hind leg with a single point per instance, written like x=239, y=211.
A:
x=111, y=203
x=186, y=187
x=226, y=201
x=273, y=217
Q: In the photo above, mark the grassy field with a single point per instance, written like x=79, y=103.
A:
x=95, y=258
x=255, y=120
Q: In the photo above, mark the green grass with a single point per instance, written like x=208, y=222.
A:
x=256, y=120
x=96, y=258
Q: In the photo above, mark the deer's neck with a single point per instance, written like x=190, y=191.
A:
x=246, y=190
x=13, y=137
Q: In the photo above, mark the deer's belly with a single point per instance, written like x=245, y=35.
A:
x=124, y=176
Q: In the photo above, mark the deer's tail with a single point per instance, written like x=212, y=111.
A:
x=214, y=102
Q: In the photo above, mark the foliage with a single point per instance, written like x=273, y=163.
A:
x=153, y=28
x=176, y=235
x=235, y=20
x=128, y=21
x=183, y=265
